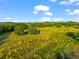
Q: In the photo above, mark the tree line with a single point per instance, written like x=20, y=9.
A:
x=18, y=28
x=31, y=27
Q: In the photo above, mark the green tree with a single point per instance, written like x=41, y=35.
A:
x=21, y=29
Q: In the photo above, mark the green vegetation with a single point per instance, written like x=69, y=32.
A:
x=74, y=35
x=21, y=29
x=6, y=27
x=39, y=40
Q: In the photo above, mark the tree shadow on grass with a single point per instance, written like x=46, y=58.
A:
x=3, y=37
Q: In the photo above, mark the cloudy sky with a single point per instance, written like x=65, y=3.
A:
x=39, y=10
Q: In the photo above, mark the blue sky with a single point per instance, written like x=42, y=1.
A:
x=39, y=10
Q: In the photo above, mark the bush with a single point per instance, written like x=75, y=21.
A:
x=58, y=56
x=74, y=35
x=71, y=34
x=21, y=29
x=34, y=31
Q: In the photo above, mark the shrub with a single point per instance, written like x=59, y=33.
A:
x=21, y=29
x=71, y=34
x=34, y=31
x=74, y=35
x=58, y=56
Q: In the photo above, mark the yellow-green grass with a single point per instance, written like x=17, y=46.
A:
x=41, y=46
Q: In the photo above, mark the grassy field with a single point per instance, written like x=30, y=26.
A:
x=51, y=43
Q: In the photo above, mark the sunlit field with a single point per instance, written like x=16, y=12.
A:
x=50, y=43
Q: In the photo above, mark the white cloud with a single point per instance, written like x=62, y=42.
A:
x=57, y=19
x=52, y=19
x=72, y=12
x=76, y=11
x=35, y=12
x=77, y=3
x=52, y=0
x=41, y=8
x=68, y=10
x=69, y=2
x=45, y=10
x=48, y=13
x=74, y=19
x=16, y=21
x=19, y=20
x=7, y=18
x=45, y=19
x=63, y=2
